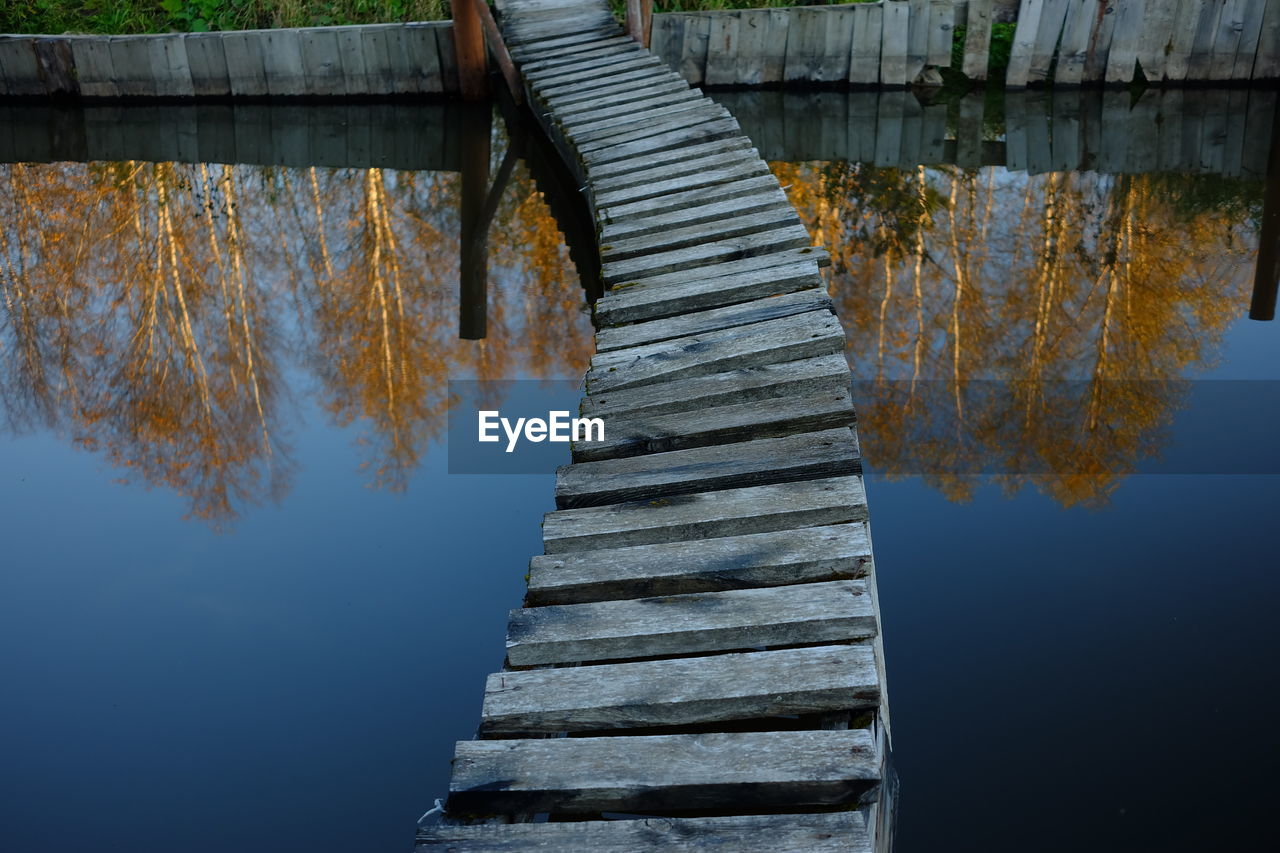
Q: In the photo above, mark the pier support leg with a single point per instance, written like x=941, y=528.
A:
x=473, y=287
x=1267, y=276
x=468, y=41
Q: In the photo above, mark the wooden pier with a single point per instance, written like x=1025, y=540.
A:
x=698, y=661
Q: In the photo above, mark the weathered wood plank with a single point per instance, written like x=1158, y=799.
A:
x=1250, y=37
x=675, y=238
x=630, y=434
x=1095, y=64
x=1082, y=15
x=685, y=691
x=1227, y=41
x=693, y=64
x=799, y=614
x=554, y=78
x=896, y=23
x=733, y=512
x=743, y=770
x=977, y=39
x=705, y=254
x=585, y=114
x=1266, y=64
x=844, y=832
x=732, y=147
x=246, y=73
x=917, y=37
x=722, y=49
x=93, y=67
x=942, y=19
x=758, y=462
x=661, y=198
x=758, y=202
x=672, y=122
x=783, y=339
x=643, y=174
x=590, y=127
x=705, y=131
x=819, y=44
x=282, y=63
x=712, y=286
x=1023, y=49
x=762, y=46
x=780, y=558
x=1052, y=19
x=864, y=58
x=1200, y=63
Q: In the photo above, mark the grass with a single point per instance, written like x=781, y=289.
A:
x=160, y=16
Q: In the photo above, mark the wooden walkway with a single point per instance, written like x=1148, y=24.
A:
x=699, y=647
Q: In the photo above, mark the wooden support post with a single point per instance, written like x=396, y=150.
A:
x=1266, y=280
x=468, y=41
x=473, y=286
x=499, y=49
x=640, y=20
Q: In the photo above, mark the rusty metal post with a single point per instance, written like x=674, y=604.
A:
x=468, y=42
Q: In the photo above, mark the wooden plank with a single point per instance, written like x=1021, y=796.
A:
x=759, y=202
x=732, y=146
x=742, y=770
x=445, y=49
x=673, y=238
x=675, y=200
x=782, y=339
x=56, y=66
x=554, y=78
x=1200, y=64
x=1052, y=19
x=1227, y=41
x=1082, y=15
x=1156, y=39
x=681, y=692
x=603, y=52
x=629, y=435
x=713, y=286
x=868, y=29
x=840, y=832
x=893, y=49
x=207, y=62
x=705, y=131
x=693, y=62
x=630, y=175
x=663, y=122
x=704, y=254
x=1095, y=64
x=19, y=70
x=246, y=72
x=764, y=383
x=819, y=43
x=762, y=46
x=733, y=512
x=780, y=558
x=773, y=307
x=1182, y=38
x=666, y=40
x=799, y=614
x=1018, y=72
x=131, y=63
x=722, y=49
x=1252, y=15
x=570, y=119
x=93, y=67
x=917, y=37
x=942, y=20
x=977, y=39
x=170, y=67
x=321, y=62
x=630, y=80
x=356, y=76
x=1266, y=64
x=728, y=173
x=282, y=63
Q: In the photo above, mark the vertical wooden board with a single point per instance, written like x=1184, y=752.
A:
x=1170, y=131
x=355, y=79
x=1015, y=131
x=18, y=66
x=1257, y=133
x=1024, y=44
x=422, y=48
x=1074, y=49
x=1200, y=63
x=1113, y=153
x=216, y=133
x=208, y=65
x=917, y=37
x=1144, y=134
x=1095, y=64
x=376, y=51
x=722, y=49
x=93, y=66
x=1039, y=143
x=1123, y=56
x=837, y=46
x=1066, y=130
x=893, y=49
x=889, y=117
x=693, y=61
x=1236, y=120
x=819, y=44
x=282, y=63
x=245, y=71
x=170, y=66
x=322, y=71
x=666, y=39
x=405, y=79
x=1155, y=42
x=1266, y=65
x=56, y=65
x=942, y=23
x=1182, y=40
x=969, y=133
x=863, y=109
x=775, y=57
x=1250, y=37
x=977, y=39
x=933, y=134
x=131, y=62
x=804, y=43
x=448, y=59
x=1227, y=40
x=1051, y=24
x=864, y=58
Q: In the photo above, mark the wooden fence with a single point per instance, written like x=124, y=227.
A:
x=898, y=42
x=377, y=60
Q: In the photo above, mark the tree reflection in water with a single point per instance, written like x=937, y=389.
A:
x=152, y=312
x=1034, y=327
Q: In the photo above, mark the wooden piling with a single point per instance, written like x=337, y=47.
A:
x=468, y=40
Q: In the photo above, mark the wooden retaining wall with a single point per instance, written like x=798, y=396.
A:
x=1200, y=131
x=371, y=60
x=898, y=42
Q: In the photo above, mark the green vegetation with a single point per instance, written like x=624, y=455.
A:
x=159, y=16
x=997, y=55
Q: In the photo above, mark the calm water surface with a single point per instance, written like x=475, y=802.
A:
x=244, y=606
